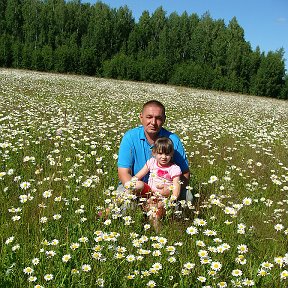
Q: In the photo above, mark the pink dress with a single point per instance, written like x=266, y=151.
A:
x=161, y=175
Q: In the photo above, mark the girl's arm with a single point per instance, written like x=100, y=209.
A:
x=142, y=172
x=135, y=184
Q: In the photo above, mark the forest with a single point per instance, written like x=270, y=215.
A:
x=95, y=39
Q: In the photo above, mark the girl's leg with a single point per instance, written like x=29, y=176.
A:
x=160, y=213
x=156, y=211
x=142, y=189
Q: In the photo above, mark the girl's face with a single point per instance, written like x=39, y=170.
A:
x=163, y=159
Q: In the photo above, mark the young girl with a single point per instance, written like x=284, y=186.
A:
x=164, y=178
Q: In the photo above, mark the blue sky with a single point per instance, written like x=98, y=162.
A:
x=265, y=22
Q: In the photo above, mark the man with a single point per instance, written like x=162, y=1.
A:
x=136, y=145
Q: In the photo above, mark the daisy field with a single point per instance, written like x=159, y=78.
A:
x=59, y=141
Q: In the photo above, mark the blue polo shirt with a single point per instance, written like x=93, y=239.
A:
x=135, y=150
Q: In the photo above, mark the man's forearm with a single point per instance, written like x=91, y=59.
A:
x=185, y=177
x=124, y=175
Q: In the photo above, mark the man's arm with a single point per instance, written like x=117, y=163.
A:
x=185, y=177
x=125, y=159
x=124, y=174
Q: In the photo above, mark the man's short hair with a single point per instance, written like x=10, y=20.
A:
x=154, y=103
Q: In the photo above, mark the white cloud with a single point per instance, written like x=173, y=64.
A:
x=281, y=20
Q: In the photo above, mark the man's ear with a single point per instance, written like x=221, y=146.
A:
x=141, y=117
x=163, y=118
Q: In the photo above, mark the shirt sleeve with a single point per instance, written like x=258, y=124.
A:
x=150, y=163
x=175, y=171
x=125, y=155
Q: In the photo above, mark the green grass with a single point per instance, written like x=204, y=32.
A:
x=57, y=131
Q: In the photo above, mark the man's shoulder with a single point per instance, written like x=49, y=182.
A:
x=169, y=134
x=132, y=137
x=134, y=131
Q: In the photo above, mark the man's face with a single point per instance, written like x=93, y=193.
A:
x=152, y=119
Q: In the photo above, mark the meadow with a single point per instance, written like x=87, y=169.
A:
x=58, y=152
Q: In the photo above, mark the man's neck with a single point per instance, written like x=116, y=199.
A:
x=151, y=138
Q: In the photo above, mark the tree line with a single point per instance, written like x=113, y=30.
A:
x=189, y=50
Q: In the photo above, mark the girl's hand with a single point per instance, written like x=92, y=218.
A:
x=165, y=191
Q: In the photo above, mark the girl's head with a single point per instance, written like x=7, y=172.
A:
x=163, y=146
